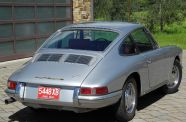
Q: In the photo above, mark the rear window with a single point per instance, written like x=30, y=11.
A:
x=94, y=40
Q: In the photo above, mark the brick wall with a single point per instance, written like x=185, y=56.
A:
x=82, y=10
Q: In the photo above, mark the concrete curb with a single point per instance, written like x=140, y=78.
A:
x=14, y=61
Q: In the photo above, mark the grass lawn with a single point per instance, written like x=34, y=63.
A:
x=174, y=34
x=178, y=39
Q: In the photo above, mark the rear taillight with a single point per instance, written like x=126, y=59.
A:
x=100, y=91
x=94, y=91
x=12, y=85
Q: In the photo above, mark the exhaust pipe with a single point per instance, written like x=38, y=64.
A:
x=10, y=100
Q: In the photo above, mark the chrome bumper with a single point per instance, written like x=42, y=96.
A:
x=99, y=101
x=78, y=102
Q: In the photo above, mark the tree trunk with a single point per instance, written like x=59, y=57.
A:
x=161, y=17
x=161, y=24
x=151, y=28
x=129, y=10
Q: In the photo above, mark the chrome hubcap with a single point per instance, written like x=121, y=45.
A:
x=175, y=77
x=130, y=98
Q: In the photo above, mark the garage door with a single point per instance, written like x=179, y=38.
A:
x=25, y=24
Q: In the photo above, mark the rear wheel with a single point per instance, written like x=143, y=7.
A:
x=176, y=77
x=127, y=105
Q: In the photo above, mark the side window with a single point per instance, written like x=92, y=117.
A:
x=142, y=41
x=155, y=45
x=127, y=47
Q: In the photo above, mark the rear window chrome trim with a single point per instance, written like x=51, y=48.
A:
x=86, y=28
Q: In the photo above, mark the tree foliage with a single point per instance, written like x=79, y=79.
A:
x=102, y=9
x=151, y=13
x=110, y=9
x=165, y=12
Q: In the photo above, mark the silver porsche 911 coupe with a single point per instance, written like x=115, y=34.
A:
x=87, y=66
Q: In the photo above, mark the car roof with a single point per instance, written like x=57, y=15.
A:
x=124, y=27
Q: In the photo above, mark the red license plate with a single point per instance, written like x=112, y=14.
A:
x=48, y=93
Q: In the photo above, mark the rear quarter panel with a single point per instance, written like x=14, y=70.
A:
x=114, y=69
x=172, y=52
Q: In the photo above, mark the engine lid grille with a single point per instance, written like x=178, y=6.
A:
x=84, y=60
x=72, y=58
x=50, y=57
x=80, y=59
x=55, y=57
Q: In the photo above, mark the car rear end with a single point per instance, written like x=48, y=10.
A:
x=77, y=99
x=45, y=83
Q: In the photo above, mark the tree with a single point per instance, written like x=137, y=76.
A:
x=110, y=9
x=165, y=12
x=119, y=10
x=102, y=9
x=151, y=13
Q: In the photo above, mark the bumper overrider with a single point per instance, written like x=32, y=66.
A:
x=70, y=99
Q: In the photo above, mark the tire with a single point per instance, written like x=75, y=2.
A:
x=124, y=113
x=173, y=86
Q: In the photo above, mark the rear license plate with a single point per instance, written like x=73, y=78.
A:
x=48, y=93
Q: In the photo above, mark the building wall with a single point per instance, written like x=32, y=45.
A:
x=82, y=10
x=25, y=24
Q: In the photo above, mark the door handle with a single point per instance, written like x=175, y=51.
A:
x=149, y=61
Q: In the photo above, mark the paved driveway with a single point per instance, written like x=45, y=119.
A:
x=153, y=107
